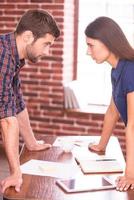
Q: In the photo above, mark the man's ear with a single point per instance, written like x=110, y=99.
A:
x=28, y=37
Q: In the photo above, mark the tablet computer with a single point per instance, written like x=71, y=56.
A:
x=85, y=184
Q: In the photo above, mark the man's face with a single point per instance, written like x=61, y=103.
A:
x=39, y=48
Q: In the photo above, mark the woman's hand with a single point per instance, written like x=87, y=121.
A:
x=96, y=148
x=123, y=183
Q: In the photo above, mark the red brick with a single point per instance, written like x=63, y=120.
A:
x=31, y=82
x=64, y=121
x=96, y=131
x=53, y=7
x=73, y=128
x=59, y=1
x=7, y=6
x=77, y=114
x=7, y=18
x=5, y=31
x=98, y=117
x=40, y=76
x=87, y=123
x=28, y=6
x=14, y=12
x=58, y=13
x=49, y=126
x=17, y=1
x=54, y=114
x=41, y=1
x=57, y=52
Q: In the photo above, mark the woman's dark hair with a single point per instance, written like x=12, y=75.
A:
x=39, y=22
x=110, y=34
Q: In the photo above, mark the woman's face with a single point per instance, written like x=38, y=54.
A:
x=97, y=50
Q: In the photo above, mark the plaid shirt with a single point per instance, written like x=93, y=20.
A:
x=11, y=99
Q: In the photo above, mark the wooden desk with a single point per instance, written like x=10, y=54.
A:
x=44, y=188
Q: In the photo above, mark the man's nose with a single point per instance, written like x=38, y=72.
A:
x=46, y=51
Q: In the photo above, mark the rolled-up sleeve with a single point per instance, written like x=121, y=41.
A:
x=11, y=100
x=20, y=104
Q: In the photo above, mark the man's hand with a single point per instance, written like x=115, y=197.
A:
x=26, y=132
x=13, y=180
x=38, y=146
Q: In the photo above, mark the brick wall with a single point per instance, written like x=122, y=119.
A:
x=43, y=82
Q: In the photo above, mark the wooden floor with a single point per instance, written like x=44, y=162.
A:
x=4, y=170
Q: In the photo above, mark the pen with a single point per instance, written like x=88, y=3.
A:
x=106, y=159
x=79, y=145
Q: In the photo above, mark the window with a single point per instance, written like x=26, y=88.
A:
x=95, y=79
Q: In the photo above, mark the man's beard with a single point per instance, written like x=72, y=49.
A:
x=30, y=55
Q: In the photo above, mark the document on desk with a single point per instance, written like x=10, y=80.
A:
x=77, y=141
x=47, y=168
x=106, y=165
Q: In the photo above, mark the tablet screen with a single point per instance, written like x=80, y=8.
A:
x=85, y=183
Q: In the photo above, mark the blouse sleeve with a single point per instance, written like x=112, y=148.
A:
x=128, y=78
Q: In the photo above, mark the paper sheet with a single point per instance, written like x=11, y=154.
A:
x=80, y=147
x=77, y=141
x=47, y=168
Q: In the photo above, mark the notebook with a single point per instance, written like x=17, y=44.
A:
x=99, y=166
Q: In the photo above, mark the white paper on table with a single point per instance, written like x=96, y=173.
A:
x=80, y=148
x=78, y=141
x=48, y=168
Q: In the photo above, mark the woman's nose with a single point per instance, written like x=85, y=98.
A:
x=88, y=51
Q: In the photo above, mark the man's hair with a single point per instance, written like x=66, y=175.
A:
x=39, y=22
x=109, y=33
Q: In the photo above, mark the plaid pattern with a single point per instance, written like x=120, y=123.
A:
x=11, y=99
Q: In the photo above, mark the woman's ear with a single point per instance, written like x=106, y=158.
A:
x=28, y=37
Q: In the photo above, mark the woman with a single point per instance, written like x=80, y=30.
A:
x=107, y=42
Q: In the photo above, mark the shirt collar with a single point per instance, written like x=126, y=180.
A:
x=14, y=52
x=116, y=72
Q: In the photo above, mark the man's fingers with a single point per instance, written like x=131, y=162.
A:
x=17, y=188
x=18, y=185
x=8, y=182
x=4, y=186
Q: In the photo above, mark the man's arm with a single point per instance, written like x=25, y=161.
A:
x=26, y=132
x=10, y=137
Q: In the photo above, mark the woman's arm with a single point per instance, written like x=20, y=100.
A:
x=110, y=119
x=126, y=181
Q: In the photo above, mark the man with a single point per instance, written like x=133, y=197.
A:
x=34, y=34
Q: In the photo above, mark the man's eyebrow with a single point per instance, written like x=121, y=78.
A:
x=48, y=43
